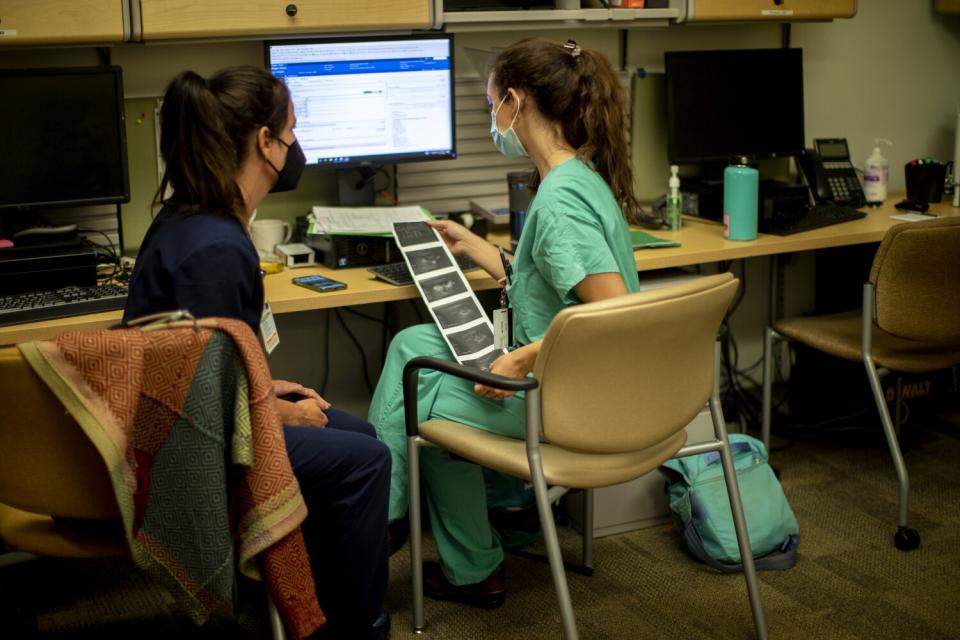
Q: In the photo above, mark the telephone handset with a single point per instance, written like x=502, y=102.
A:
x=830, y=173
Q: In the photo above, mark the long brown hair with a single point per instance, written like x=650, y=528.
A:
x=579, y=89
x=205, y=133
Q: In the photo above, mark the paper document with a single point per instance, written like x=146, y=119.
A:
x=362, y=221
x=454, y=306
x=912, y=217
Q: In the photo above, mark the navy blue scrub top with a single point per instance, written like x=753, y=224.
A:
x=202, y=262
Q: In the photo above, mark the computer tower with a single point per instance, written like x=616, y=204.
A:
x=47, y=267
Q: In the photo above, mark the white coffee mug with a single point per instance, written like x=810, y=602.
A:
x=267, y=234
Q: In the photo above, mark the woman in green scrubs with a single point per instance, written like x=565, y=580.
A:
x=564, y=107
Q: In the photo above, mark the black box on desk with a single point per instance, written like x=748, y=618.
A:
x=339, y=252
x=703, y=198
x=47, y=267
x=779, y=201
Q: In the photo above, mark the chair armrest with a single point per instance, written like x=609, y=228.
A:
x=411, y=373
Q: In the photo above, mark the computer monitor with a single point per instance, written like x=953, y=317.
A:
x=64, y=141
x=366, y=101
x=745, y=102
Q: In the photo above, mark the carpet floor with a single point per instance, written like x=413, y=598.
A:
x=849, y=582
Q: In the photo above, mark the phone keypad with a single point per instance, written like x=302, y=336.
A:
x=843, y=184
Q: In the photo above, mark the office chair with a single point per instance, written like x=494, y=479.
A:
x=584, y=427
x=50, y=472
x=909, y=322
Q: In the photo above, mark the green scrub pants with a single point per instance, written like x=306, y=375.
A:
x=457, y=497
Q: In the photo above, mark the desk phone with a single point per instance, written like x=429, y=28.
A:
x=830, y=173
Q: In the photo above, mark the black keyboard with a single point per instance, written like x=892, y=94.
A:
x=398, y=274
x=812, y=218
x=60, y=303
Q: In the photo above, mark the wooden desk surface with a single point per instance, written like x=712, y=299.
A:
x=701, y=242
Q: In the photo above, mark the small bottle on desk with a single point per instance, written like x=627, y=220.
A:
x=673, y=210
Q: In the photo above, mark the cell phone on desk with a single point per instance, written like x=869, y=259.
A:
x=910, y=205
x=323, y=284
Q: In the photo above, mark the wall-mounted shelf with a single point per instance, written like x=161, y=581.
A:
x=555, y=19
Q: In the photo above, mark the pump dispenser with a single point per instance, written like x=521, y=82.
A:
x=673, y=212
x=876, y=174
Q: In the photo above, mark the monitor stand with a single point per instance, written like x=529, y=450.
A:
x=355, y=187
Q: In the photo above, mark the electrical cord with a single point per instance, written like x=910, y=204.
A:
x=109, y=250
x=356, y=343
x=385, y=333
x=737, y=400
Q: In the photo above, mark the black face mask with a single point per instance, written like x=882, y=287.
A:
x=289, y=176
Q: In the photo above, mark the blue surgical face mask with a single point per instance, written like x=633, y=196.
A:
x=506, y=141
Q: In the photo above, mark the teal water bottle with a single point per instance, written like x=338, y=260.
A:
x=740, y=188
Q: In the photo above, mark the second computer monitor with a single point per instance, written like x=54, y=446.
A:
x=747, y=101
x=364, y=101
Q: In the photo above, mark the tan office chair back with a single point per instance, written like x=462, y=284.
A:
x=916, y=274
x=626, y=373
x=47, y=464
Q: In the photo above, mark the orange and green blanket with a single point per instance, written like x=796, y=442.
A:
x=185, y=421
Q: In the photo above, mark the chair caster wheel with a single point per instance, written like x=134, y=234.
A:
x=906, y=539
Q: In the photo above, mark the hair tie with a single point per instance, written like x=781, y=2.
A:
x=572, y=48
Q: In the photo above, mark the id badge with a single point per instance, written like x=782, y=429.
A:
x=268, y=330
x=501, y=328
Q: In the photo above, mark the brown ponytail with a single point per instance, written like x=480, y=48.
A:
x=206, y=128
x=579, y=89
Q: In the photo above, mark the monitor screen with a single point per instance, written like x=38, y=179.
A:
x=64, y=141
x=370, y=100
x=734, y=102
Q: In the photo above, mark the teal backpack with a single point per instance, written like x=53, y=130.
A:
x=701, y=508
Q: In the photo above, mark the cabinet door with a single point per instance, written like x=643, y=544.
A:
x=743, y=10
x=173, y=19
x=32, y=22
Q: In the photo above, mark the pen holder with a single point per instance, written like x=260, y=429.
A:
x=924, y=181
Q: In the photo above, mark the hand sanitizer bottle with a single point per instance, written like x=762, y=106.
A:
x=876, y=174
x=673, y=212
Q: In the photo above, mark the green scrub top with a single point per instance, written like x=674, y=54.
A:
x=574, y=228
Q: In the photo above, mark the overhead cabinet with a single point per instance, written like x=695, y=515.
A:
x=33, y=22
x=182, y=19
x=773, y=10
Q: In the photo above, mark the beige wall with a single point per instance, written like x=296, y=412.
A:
x=892, y=72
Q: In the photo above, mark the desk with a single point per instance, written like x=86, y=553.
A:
x=701, y=242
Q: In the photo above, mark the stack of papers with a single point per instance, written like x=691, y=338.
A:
x=362, y=221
